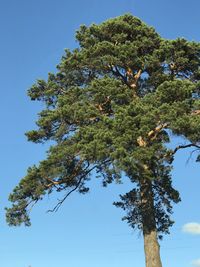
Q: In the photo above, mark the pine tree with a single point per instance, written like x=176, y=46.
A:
x=111, y=109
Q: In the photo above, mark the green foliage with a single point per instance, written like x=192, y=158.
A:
x=109, y=111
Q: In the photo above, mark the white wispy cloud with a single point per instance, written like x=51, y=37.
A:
x=192, y=228
x=196, y=263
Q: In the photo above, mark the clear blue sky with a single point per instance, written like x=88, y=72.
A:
x=87, y=231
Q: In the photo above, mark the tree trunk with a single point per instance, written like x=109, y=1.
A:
x=151, y=245
x=152, y=250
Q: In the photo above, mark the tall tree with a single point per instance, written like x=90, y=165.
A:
x=111, y=109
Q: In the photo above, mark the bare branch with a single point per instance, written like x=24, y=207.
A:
x=133, y=78
x=184, y=146
x=170, y=154
x=56, y=208
x=53, y=183
x=100, y=107
x=116, y=72
x=195, y=112
x=191, y=154
x=141, y=142
x=151, y=135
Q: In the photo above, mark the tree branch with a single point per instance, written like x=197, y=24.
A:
x=184, y=146
x=100, y=107
x=151, y=135
x=118, y=73
x=56, y=208
x=173, y=152
x=133, y=78
x=195, y=112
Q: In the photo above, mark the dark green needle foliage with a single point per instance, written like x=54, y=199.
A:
x=110, y=110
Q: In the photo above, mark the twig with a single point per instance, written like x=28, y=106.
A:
x=56, y=208
x=184, y=146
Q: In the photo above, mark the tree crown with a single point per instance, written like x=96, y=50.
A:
x=110, y=109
